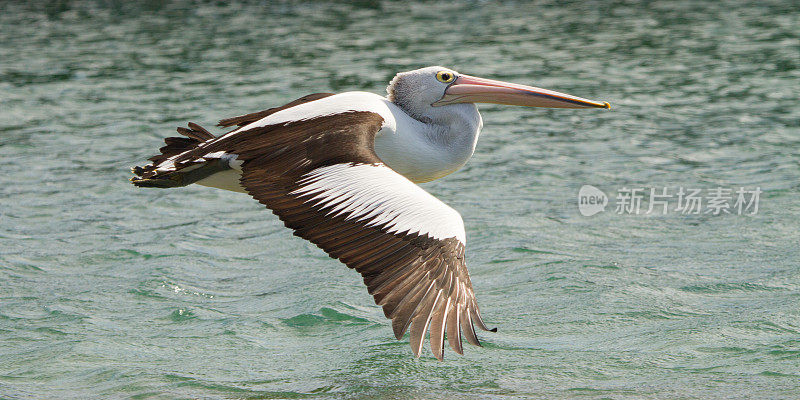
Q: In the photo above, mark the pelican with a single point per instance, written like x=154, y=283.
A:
x=341, y=170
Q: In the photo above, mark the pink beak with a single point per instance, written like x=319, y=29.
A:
x=471, y=89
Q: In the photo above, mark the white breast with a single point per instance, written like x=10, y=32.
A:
x=424, y=152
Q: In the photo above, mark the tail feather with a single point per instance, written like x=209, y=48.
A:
x=175, y=146
x=151, y=176
x=174, y=180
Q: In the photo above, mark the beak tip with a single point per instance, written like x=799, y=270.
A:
x=606, y=105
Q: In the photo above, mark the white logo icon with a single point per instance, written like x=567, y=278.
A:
x=591, y=200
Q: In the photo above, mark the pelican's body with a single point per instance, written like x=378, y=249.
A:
x=420, y=151
x=340, y=170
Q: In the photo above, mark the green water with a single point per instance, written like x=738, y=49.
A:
x=108, y=291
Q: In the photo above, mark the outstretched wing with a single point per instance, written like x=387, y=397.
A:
x=322, y=177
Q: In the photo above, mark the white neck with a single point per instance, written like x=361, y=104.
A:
x=430, y=146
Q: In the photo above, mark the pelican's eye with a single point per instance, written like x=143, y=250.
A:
x=445, y=76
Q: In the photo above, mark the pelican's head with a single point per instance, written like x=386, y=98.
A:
x=419, y=90
x=416, y=91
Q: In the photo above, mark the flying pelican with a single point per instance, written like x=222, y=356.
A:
x=341, y=171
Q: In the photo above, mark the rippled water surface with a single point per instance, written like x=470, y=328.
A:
x=109, y=291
